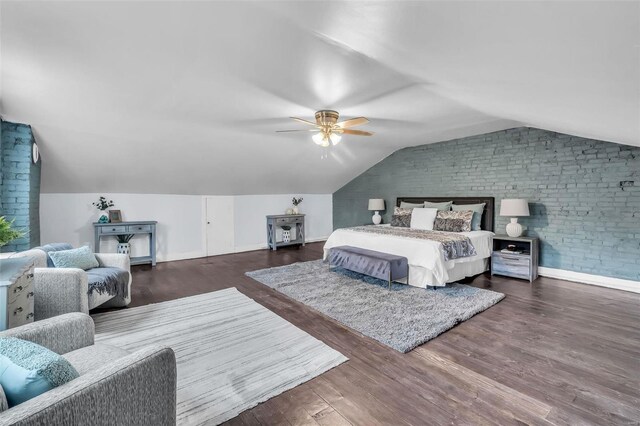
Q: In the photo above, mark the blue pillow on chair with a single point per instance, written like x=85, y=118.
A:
x=28, y=370
x=82, y=258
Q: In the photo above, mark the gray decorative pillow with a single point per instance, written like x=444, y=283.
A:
x=405, y=205
x=477, y=209
x=444, y=206
x=82, y=258
x=453, y=221
x=401, y=217
x=401, y=220
x=401, y=211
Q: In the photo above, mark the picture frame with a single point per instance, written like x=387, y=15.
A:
x=115, y=216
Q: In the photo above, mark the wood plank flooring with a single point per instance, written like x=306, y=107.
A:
x=553, y=352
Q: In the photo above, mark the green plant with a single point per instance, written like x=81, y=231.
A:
x=103, y=204
x=8, y=233
x=124, y=238
x=286, y=227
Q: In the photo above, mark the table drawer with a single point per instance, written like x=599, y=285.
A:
x=115, y=229
x=138, y=228
x=288, y=220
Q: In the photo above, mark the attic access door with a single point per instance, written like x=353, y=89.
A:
x=220, y=225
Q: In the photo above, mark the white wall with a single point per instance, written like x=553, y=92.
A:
x=181, y=220
x=250, y=212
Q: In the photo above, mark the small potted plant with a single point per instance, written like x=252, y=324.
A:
x=123, y=244
x=102, y=205
x=8, y=233
x=296, y=202
x=286, y=233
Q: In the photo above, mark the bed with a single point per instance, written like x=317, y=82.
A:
x=428, y=262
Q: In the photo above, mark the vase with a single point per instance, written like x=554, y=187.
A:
x=124, y=248
x=296, y=210
x=286, y=235
x=103, y=216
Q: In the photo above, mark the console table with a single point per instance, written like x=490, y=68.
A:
x=279, y=220
x=125, y=228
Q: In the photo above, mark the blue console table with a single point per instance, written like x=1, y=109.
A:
x=124, y=228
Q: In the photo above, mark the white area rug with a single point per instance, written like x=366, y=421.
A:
x=232, y=353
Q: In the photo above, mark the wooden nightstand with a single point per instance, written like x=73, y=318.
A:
x=523, y=265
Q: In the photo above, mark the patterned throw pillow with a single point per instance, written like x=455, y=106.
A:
x=453, y=221
x=401, y=217
x=28, y=370
x=82, y=258
x=401, y=220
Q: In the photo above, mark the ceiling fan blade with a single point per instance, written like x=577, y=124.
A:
x=305, y=121
x=297, y=130
x=356, y=132
x=358, y=121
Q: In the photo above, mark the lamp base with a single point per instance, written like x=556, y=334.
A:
x=376, y=218
x=514, y=229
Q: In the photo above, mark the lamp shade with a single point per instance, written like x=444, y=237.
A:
x=514, y=207
x=376, y=204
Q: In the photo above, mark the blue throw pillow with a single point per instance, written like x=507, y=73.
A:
x=82, y=258
x=28, y=370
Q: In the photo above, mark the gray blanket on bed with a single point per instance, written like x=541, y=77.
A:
x=454, y=245
x=113, y=281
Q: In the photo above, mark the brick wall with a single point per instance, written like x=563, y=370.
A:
x=584, y=194
x=19, y=184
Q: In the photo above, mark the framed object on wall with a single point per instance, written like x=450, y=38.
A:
x=115, y=216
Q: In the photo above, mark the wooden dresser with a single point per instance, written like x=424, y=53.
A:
x=16, y=292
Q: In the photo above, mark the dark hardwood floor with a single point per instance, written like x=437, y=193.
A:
x=553, y=352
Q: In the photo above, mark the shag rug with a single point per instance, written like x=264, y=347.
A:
x=402, y=318
x=232, y=353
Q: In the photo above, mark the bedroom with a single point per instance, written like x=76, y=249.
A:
x=235, y=248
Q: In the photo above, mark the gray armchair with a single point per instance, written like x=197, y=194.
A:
x=115, y=387
x=63, y=290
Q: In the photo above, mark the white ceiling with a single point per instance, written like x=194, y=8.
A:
x=185, y=98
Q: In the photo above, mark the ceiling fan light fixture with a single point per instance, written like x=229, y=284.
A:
x=318, y=138
x=335, y=138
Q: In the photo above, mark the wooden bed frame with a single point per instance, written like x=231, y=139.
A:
x=488, y=220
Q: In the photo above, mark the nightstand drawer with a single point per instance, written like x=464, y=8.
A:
x=513, y=266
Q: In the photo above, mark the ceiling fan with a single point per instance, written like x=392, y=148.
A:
x=329, y=130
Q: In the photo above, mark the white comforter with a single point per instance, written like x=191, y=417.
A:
x=427, y=266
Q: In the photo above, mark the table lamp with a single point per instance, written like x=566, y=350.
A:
x=513, y=208
x=377, y=205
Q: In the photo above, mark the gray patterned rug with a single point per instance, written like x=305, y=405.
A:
x=402, y=318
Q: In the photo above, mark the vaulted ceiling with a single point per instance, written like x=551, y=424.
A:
x=185, y=97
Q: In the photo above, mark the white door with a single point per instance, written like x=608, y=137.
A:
x=220, y=225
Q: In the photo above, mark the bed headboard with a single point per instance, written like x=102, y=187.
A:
x=487, y=216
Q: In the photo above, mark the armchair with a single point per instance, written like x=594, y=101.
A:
x=115, y=387
x=63, y=290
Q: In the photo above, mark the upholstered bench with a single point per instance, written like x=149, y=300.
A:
x=376, y=264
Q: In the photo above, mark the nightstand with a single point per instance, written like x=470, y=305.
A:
x=522, y=265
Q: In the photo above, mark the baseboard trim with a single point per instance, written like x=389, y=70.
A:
x=264, y=246
x=181, y=256
x=598, y=280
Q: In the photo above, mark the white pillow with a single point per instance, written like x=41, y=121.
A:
x=423, y=218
